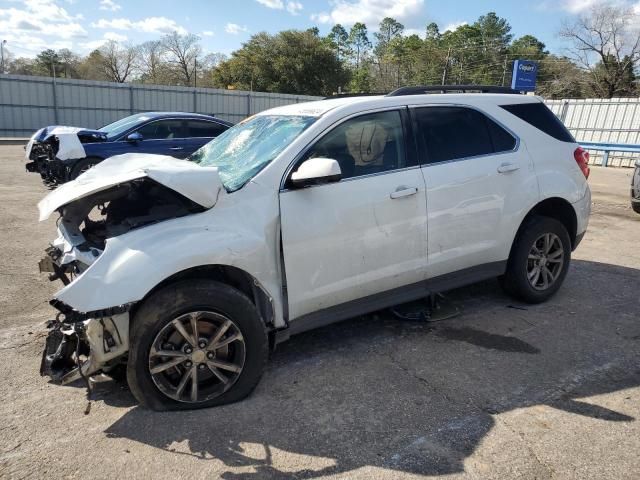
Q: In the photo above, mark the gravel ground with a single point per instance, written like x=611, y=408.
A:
x=502, y=391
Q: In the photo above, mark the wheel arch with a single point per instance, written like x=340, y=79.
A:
x=229, y=275
x=557, y=208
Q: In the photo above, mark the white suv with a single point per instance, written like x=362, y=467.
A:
x=300, y=216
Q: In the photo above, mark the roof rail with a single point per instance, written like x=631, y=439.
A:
x=423, y=89
x=348, y=95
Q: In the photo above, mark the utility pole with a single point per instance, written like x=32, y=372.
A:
x=2, y=44
x=504, y=70
x=446, y=66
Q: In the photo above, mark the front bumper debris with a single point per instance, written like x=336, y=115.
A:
x=76, y=350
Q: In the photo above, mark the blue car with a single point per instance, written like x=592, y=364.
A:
x=61, y=153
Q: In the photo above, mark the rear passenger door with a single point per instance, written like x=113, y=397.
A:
x=201, y=132
x=478, y=178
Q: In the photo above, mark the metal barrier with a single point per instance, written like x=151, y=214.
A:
x=609, y=147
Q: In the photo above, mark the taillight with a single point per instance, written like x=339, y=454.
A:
x=582, y=159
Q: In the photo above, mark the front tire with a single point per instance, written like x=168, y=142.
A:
x=539, y=260
x=170, y=368
x=82, y=166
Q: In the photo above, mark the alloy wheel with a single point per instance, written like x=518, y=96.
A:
x=197, y=356
x=545, y=261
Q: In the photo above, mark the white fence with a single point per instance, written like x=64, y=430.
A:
x=28, y=103
x=615, y=120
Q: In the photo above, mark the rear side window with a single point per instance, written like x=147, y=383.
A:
x=202, y=128
x=450, y=133
x=538, y=115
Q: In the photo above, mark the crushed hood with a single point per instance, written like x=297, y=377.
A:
x=202, y=185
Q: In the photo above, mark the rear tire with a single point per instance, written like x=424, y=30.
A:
x=539, y=260
x=163, y=325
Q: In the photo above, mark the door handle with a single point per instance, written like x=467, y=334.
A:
x=176, y=148
x=403, y=191
x=508, y=167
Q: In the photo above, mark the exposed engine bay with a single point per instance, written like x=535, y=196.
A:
x=82, y=343
x=50, y=146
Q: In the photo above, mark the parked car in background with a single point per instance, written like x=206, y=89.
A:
x=61, y=153
x=635, y=188
x=298, y=217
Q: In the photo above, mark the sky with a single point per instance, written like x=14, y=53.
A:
x=30, y=26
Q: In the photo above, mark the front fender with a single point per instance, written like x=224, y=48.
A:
x=134, y=263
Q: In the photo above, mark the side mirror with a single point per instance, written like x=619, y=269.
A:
x=316, y=171
x=134, y=137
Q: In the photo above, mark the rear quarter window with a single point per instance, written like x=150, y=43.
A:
x=539, y=116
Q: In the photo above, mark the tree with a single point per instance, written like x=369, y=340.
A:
x=559, y=77
x=48, y=63
x=183, y=53
x=69, y=62
x=92, y=67
x=388, y=29
x=604, y=42
x=292, y=61
x=339, y=40
x=359, y=41
x=432, y=32
x=528, y=47
x=118, y=62
x=152, y=63
x=21, y=66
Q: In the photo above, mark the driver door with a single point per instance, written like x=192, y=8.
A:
x=364, y=234
x=160, y=137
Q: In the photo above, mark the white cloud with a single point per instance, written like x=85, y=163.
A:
x=454, y=26
x=95, y=44
x=46, y=18
x=29, y=45
x=109, y=5
x=116, y=37
x=294, y=7
x=147, y=25
x=208, y=33
x=578, y=6
x=276, y=4
x=234, y=28
x=414, y=31
x=370, y=12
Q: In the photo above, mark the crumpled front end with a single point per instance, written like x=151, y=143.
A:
x=100, y=205
x=49, y=149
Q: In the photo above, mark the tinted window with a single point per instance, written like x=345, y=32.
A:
x=367, y=144
x=449, y=133
x=538, y=115
x=202, y=128
x=502, y=140
x=161, y=130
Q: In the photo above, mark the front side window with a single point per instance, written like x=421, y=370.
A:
x=451, y=133
x=161, y=130
x=245, y=149
x=363, y=145
x=117, y=128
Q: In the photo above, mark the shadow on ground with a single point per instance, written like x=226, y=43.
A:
x=416, y=397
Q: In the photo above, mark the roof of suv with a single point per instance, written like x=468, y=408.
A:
x=320, y=107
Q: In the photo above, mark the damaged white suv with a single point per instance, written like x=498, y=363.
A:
x=188, y=271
